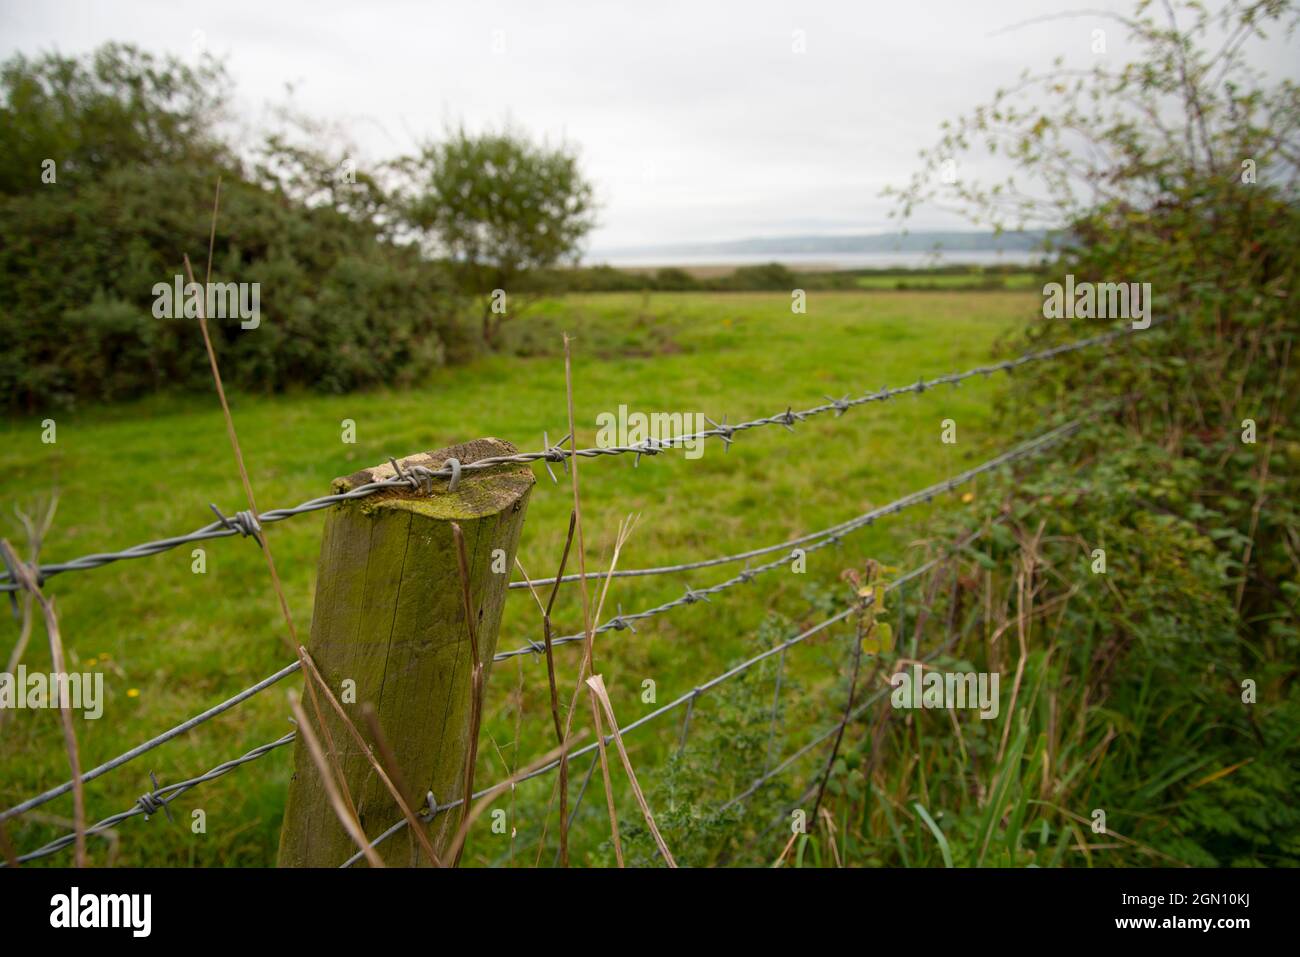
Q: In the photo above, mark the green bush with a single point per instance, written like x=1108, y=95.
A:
x=340, y=309
x=1162, y=691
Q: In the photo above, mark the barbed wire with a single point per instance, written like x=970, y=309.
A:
x=160, y=797
x=821, y=738
x=823, y=538
x=768, y=775
x=157, y=800
x=688, y=697
x=246, y=523
x=419, y=477
x=827, y=537
x=187, y=725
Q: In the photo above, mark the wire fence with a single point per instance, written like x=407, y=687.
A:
x=821, y=539
x=415, y=477
x=418, y=477
x=688, y=698
x=156, y=800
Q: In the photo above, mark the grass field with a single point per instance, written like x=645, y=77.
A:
x=172, y=642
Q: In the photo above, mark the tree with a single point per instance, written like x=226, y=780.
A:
x=499, y=206
x=119, y=106
x=1187, y=111
x=341, y=306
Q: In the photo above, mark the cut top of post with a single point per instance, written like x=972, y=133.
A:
x=480, y=492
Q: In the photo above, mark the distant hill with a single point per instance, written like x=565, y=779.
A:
x=915, y=242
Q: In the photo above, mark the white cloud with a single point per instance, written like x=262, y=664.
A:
x=695, y=120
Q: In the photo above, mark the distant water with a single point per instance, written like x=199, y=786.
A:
x=828, y=260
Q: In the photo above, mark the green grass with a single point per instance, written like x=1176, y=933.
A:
x=130, y=473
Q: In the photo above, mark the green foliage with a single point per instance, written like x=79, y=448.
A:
x=341, y=307
x=499, y=206
x=117, y=107
x=675, y=279
x=1133, y=695
x=598, y=279
x=726, y=749
x=339, y=311
x=774, y=277
x=1184, y=110
x=766, y=276
x=1130, y=699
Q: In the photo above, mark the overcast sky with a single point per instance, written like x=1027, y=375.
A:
x=695, y=120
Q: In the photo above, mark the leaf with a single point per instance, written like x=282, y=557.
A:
x=938, y=834
x=879, y=638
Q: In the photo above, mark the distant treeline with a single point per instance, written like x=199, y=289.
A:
x=776, y=277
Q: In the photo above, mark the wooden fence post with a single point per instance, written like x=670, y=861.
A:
x=389, y=616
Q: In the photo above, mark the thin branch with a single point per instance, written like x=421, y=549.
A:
x=346, y=816
x=292, y=640
x=858, y=637
x=477, y=810
x=398, y=794
x=23, y=576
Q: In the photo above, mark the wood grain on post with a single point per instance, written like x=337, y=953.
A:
x=389, y=616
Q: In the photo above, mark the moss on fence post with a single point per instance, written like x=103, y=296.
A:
x=389, y=618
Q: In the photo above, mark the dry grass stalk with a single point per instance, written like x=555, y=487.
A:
x=786, y=850
x=547, y=637
x=388, y=758
x=36, y=532
x=829, y=821
x=399, y=795
x=7, y=847
x=24, y=576
x=346, y=816
x=624, y=531
x=587, y=664
x=473, y=813
x=292, y=640
x=562, y=784
x=597, y=685
x=1024, y=614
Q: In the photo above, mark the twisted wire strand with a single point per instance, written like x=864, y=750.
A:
x=827, y=537
x=419, y=477
x=156, y=800
x=823, y=538
x=187, y=725
x=676, y=703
